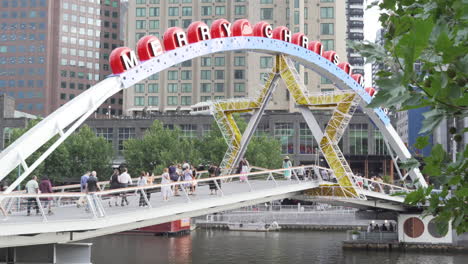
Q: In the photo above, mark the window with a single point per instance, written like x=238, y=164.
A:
x=206, y=129
x=173, y=11
x=140, y=12
x=239, y=74
x=206, y=87
x=141, y=24
x=186, y=100
x=263, y=130
x=220, y=10
x=154, y=11
x=239, y=61
x=106, y=132
x=358, y=139
x=326, y=29
x=173, y=22
x=327, y=12
x=206, y=11
x=153, y=88
x=266, y=62
x=172, y=100
x=219, y=74
x=219, y=61
x=239, y=87
x=153, y=100
x=125, y=134
x=205, y=61
x=219, y=87
x=266, y=13
x=380, y=147
x=296, y=17
x=186, y=75
x=306, y=141
x=186, y=11
x=328, y=44
x=188, y=130
x=266, y=2
x=205, y=75
x=284, y=132
x=186, y=87
x=172, y=87
x=239, y=10
x=139, y=100
x=139, y=88
x=139, y=2
x=172, y=75
x=154, y=24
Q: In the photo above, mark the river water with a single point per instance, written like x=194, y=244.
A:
x=225, y=247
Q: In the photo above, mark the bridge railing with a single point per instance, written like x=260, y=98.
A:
x=77, y=205
x=378, y=186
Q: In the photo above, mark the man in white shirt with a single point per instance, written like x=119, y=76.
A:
x=32, y=187
x=124, y=180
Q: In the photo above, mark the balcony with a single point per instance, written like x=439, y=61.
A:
x=356, y=61
x=358, y=2
x=355, y=24
x=356, y=36
x=356, y=12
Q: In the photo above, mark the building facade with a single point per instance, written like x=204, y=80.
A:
x=230, y=74
x=51, y=51
x=355, y=32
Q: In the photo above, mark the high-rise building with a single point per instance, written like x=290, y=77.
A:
x=51, y=51
x=230, y=74
x=355, y=32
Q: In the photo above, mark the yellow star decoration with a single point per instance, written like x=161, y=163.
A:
x=343, y=101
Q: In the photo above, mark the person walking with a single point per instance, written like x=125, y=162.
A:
x=194, y=176
x=174, y=178
x=301, y=172
x=142, y=181
x=46, y=187
x=245, y=169
x=32, y=187
x=92, y=187
x=212, y=184
x=188, y=177
x=165, y=189
x=114, y=184
x=124, y=180
x=287, y=164
x=83, y=181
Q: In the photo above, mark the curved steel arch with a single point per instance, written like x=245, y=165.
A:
x=75, y=112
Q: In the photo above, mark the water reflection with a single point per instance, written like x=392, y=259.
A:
x=217, y=246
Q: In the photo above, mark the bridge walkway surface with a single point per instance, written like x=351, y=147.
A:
x=95, y=217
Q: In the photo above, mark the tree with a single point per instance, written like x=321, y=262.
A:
x=82, y=151
x=433, y=35
x=159, y=148
x=261, y=151
x=88, y=152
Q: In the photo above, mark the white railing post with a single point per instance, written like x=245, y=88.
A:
x=39, y=204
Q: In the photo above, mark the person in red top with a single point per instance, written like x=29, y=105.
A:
x=46, y=187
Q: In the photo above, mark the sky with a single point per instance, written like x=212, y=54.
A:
x=371, y=25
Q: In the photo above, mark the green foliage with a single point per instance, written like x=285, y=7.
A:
x=82, y=151
x=432, y=34
x=159, y=148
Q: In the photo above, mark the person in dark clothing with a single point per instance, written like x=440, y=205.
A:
x=212, y=184
x=114, y=184
x=46, y=187
x=92, y=187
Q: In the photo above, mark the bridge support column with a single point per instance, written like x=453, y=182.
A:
x=49, y=253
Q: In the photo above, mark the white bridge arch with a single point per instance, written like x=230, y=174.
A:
x=65, y=120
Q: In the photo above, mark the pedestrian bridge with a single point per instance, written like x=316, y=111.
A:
x=72, y=223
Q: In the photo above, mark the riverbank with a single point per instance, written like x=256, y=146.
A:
x=404, y=247
x=300, y=226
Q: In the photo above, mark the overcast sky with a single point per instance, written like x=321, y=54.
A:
x=371, y=25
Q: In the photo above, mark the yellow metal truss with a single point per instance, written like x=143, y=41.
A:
x=344, y=103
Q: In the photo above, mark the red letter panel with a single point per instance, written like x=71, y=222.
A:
x=242, y=27
x=174, y=38
x=300, y=39
x=263, y=29
x=282, y=33
x=149, y=47
x=220, y=28
x=316, y=47
x=198, y=31
x=122, y=59
x=346, y=67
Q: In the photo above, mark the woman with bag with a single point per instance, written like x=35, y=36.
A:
x=46, y=187
x=114, y=184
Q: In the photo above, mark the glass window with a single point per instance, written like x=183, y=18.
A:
x=380, y=147
x=206, y=87
x=219, y=61
x=186, y=100
x=219, y=74
x=173, y=11
x=205, y=74
x=141, y=11
x=172, y=87
x=153, y=88
x=154, y=24
x=205, y=98
x=173, y=75
x=205, y=61
x=358, y=139
x=306, y=141
x=327, y=12
x=153, y=100
x=139, y=100
x=141, y=24
x=172, y=100
x=239, y=74
x=239, y=87
x=153, y=11
x=188, y=130
x=220, y=10
x=239, y=61
x=284, y=132
x=328, y=44
x=239, y=10
x=266, y=13
x=219, y=87
x=186, y=75
x=324, y=80
x=326, y=29
x=186, y=11
x=266, y=62
x=206, y=11
x=266, y=2
x=186, y=87
x=125, y=134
